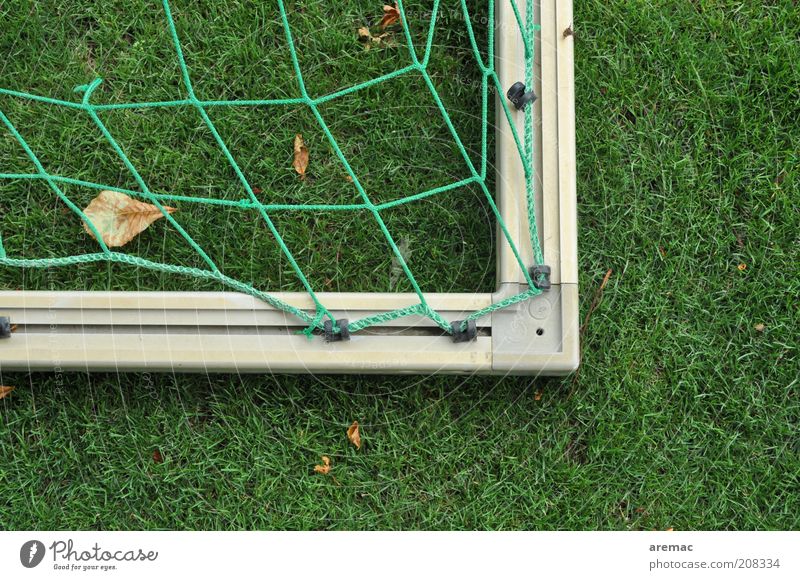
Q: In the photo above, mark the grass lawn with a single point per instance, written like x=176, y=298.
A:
x=685, y=412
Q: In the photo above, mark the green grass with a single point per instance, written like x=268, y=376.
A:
x=683, y=415
x=393, y=135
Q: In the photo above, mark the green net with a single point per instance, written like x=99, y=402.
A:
x=417, y=64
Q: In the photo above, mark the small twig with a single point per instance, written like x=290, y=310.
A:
x=598, y=297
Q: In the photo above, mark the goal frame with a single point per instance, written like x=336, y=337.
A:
x=233, y=332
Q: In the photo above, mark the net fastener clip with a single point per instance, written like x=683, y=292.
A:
x=540, y=274
x=343, y=334
x=5, y=327
x=517, y=95
x=466, y=335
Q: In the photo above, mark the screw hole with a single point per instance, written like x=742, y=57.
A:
x=539, y=331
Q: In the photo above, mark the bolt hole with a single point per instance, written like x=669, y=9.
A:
x=539, y=331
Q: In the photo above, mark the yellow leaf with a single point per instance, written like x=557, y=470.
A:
x=5, y=391
x=325, y=467
x=364, y=34
x=300, y=156
x=120, y=218
x=353, y=435
x=391, y=15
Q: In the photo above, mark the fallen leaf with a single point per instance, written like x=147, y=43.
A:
x=537, y=396
x=120, y=218
x=348, y=178
x=365, y=36
x=391, y=15
x=760, y=327
x=662, y=251
x=157, y=458
x=325, y=467
x=354, y=435
x=300, y=156
x=5, y=391
x=669, y=530
x=742, y=267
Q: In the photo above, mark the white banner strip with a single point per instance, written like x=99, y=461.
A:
x=401, y=555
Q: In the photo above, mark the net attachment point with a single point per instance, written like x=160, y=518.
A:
x=540, y=274
x=343, y=334
x=521, y=98
x=469, y=333
x=5, y=327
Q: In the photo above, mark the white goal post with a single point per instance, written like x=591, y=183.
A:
x=227, y=331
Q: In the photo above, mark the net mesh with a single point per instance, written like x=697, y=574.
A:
x=315, y=321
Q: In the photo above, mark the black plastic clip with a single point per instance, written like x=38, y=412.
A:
x=517, y=95
x=343, y=334
x=5, y=327
x=469, y=333
x=540, y=275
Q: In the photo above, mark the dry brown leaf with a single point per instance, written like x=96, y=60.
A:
x=300, y=156
x=157, y=457
x=5, y=391
x=120, y=218
x=760, y=327
x=325, y=468
x=354, y=435
x=365, y=36
x=537, y=396
x=391, y=15
x=742, y=267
